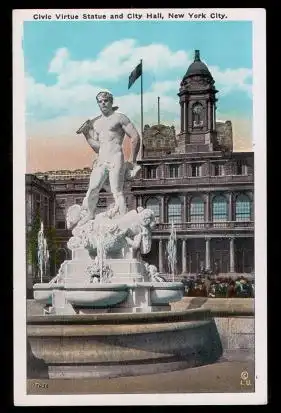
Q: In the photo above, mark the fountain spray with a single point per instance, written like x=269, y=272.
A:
x=42, y=253
x=172, y=251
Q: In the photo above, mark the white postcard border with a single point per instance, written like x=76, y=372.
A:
x=258, y=17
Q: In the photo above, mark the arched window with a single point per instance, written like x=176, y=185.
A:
x=153, y=204
x=174, y=210
x=219, y=209
x=243, y=208
x=197, y=213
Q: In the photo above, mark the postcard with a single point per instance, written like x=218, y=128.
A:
x=140, y=242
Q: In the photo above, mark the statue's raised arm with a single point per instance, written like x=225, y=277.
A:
x=90, y=133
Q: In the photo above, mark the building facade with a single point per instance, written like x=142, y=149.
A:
x=193, y=180
x=199, y=184
x=39, y=200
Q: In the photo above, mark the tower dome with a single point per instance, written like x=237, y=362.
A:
x=197, y=68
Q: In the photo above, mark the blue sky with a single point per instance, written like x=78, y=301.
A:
x=226, y=44
x=67, y=63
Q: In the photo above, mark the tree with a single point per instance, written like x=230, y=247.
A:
x=32, y=242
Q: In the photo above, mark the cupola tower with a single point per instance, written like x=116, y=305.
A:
x=197, y=109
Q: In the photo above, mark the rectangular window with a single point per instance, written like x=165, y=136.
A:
x=197, y=213
x=78, y=201
x=219, y=214
x=243, y=211
x=61, y=225
x=37, y=203
x=219, y=211
x=174, y=171
x=151, y=172
x=241, y=167
x=218, y=169
x=46, y=214
x=174, y=212
x=37, y=206
x=195, y=169
x=61, y=202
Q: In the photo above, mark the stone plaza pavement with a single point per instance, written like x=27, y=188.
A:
x=221, y=377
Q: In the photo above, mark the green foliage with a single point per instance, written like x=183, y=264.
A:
x=32, y=241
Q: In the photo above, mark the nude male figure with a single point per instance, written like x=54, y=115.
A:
x=105, y=134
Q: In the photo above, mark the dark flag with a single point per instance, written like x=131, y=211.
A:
x=136, y=73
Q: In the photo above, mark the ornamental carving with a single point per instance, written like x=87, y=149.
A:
x=159, y=136
x=196, y=82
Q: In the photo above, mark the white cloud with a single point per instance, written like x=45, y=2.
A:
x=116, y=60
x=230, y=80
x=73, y=95
x=166, y=86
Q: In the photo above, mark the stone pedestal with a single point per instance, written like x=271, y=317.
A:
x=60, y=304
x=127, y=270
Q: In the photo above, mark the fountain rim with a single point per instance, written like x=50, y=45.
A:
x=123, y=318
x=109, y=286
x=80, y=287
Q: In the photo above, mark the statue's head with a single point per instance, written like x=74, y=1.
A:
x=73, y=215
x=147, y=217
x=153, y=269
x=146, y=266
x=105, y=102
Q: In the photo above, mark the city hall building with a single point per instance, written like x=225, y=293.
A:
x=192, y=179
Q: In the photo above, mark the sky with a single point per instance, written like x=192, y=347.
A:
x=68, y=63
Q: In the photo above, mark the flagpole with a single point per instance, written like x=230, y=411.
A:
x=158, y=110
x=141, y=151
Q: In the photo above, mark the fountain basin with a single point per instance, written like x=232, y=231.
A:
x=88, y=295
x=97, y=296
x=120, y=344
x=166, y=292
x=43, y=293
x=163, y=293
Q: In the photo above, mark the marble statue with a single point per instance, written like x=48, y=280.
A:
x=105, y=135
x=153, y=274
x=121, y=234
x=106, y=269
x=95, y=273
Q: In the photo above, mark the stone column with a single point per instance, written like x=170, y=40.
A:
x=140, y=203
x=184, y=256
x=230, y=206
x=207, y=254
x=184, y=209
x=182, y=117
x=162, y=209
x=231, y=255
x=210, y=117
x=252, y=206
x=160, y=256
x=207, y=208
x=54, y=212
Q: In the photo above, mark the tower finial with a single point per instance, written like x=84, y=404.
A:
x=197, y=56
